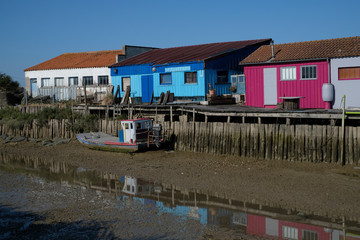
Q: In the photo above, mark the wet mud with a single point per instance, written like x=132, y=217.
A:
x=69, y=189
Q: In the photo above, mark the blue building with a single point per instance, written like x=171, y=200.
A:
x=188, y=71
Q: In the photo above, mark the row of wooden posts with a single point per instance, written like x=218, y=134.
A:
x=307, y=143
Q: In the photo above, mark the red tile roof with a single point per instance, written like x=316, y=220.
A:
x=321, y=49
x=79, y=60
x=188, y=53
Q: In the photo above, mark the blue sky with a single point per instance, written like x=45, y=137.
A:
x=35, y=31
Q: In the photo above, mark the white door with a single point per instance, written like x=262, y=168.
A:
x=128, y=130
x=270, y=86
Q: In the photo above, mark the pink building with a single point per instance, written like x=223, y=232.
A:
x=298, y=71
x=269, y=228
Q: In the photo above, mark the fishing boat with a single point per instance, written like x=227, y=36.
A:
x=135, y=135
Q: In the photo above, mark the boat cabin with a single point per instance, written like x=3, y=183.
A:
x=134, y=186
x=135, y=130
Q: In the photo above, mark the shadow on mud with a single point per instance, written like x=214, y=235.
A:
x=25, y=225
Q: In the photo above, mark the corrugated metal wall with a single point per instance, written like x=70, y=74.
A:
x=211, y=78
x=61, y=93
x=304, y=227
x=255, y=225
x=178, y=86
x=254, y=78
x=311, y=90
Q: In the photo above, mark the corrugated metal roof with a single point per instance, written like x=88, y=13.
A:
x=321, y=49
x=79, y=60
x=188, y=53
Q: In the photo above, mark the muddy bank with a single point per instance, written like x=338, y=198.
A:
x=320, y=189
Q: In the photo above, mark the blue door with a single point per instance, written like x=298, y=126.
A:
x=147, y=87
x=33, y=87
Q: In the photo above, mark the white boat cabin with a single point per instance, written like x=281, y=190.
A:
x=135, y=130
x=133, y=186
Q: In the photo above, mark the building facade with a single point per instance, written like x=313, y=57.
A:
x=64, y=76
x=317, y=73
x=188, y=72
x=345, y=76
x=273, y=82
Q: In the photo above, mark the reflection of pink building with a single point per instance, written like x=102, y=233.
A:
x=278, y=229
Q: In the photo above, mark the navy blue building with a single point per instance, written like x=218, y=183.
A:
x=188, y=71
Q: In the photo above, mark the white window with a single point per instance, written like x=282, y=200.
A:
x=288, y=73
x=88, y=80
x=310, y=235
x=165, y=79
x=103, y=80
x=290, y=233
x=190, y=77
x=73, y=81
x=308, y=72
x=60, y=82
x=45, y=82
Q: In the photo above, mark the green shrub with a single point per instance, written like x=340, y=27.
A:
x=86, y=123
x=10, y=115
x=77, y=122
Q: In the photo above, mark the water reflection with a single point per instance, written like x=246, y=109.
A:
x=192, y=205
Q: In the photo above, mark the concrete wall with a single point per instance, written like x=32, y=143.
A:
x=351, y=88
x=66, y=73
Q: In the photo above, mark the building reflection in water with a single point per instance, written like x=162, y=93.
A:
x=206, y=208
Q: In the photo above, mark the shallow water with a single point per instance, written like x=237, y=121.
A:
x=42, y=199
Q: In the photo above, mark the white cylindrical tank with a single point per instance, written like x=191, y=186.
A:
x=328, y=93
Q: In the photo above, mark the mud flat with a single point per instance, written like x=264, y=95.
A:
x=311, y=188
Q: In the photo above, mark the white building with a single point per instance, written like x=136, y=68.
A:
x=64, y=76
x=345, y=76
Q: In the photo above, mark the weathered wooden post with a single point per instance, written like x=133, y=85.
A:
x=171, y=117
x=343, y=133
x=86, y=106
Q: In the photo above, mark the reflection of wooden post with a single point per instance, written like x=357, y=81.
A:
x=148, y=140
x=109, y=182
x=195, y=198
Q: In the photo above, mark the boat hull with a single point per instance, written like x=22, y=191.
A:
x=103, y=141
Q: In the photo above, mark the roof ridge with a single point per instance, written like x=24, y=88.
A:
x=321, y=40
x=205, y=44
x=101, y=51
